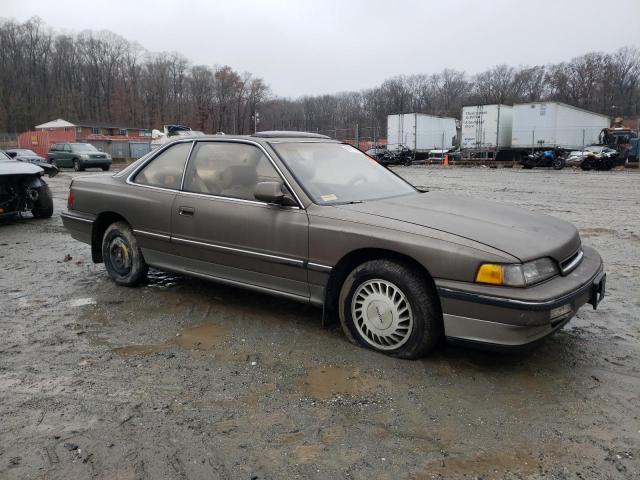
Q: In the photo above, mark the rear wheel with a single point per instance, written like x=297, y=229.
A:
x=558, y=164
x=43, y=206
x=122, y=257
x=390, y=307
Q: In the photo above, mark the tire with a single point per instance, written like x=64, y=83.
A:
x=527, y=167
x=558, y=164
x=414, y=317
x=55, y=164
x=43, y=207
x=105, y=168
x=122, y=257
x=76, y=165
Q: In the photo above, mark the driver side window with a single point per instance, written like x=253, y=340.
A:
x=228, y=170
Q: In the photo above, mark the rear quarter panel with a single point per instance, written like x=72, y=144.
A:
x=143, y=208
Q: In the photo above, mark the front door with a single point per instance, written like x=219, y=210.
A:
x=65, y=156
x=222, y=231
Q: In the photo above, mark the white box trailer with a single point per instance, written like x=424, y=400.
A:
x=555, y=125
x=486, y=127
x=420, y=132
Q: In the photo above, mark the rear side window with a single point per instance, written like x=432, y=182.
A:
x=166, y=169
x=228, y=170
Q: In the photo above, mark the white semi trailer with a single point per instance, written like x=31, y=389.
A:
x=486, y=130
x=420, y=133
x=545, y=125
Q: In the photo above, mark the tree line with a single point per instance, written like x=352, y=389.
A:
x=102, y=77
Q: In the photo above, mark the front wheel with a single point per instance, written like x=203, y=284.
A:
x=390, y=307
x=43, y=206
x=122, y=257
x=558, y=164
x=105, y=168
x=586, y=165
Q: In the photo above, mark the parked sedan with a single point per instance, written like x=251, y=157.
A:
x=311, y=219
x=79, y=156
x=24, y=155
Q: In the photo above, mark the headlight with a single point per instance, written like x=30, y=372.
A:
x=517, y=275
x=84, y=156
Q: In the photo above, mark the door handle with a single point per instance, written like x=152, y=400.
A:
x=187, y=211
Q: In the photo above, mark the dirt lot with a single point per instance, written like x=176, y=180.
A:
x=188, y=379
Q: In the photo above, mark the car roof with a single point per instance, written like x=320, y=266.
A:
x=261, y=137
x=288, y=134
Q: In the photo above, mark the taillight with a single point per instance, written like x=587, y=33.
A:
x=70, y=200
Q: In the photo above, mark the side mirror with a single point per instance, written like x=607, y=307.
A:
x=273, y=192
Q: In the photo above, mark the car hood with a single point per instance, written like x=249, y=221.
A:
x=523, y=234
x=15, y=167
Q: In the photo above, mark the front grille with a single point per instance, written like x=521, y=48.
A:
x=98, y=156
x=570, y=263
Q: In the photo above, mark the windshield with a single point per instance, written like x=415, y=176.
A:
x=23, y=151
x=83, y=147
x=333, y=173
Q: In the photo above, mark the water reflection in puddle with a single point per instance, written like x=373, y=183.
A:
x=82, y=302
x=162, y=280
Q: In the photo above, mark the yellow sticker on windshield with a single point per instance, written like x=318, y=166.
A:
x=328, y=198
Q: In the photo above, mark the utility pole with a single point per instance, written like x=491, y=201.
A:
x=256, y=120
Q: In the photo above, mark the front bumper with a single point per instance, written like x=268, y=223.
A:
x=96, y=162
x=513, y=317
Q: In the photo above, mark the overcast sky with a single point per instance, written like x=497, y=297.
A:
x=326, y=46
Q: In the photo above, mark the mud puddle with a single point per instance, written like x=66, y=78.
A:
x=324, y=383
x=201, y=337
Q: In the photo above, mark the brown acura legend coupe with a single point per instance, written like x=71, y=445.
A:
x=312, y=219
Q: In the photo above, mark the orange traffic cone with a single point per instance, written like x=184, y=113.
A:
x=446, y=160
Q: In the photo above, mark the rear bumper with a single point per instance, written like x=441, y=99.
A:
x=527, y=315
x=79, y=225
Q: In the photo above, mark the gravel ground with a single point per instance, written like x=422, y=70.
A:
x=188, y=379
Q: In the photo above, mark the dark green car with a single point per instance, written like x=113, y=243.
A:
x=79, y=156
